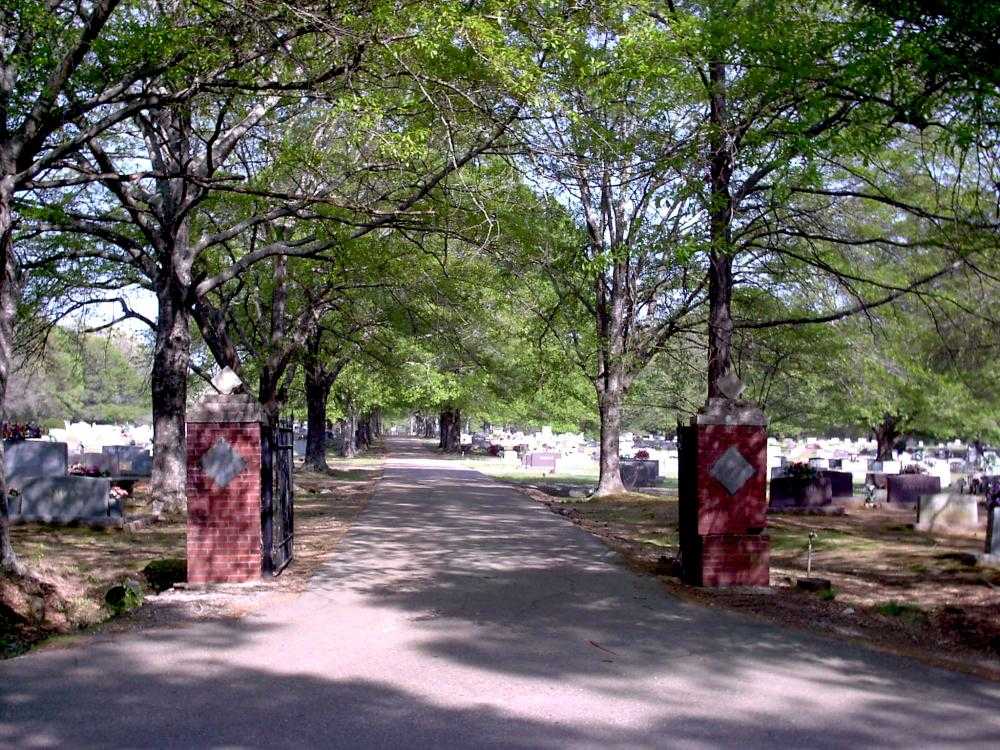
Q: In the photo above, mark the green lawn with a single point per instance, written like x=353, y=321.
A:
x=512, y=473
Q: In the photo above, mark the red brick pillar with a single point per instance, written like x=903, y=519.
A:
x=723, y=496
x=223, y=490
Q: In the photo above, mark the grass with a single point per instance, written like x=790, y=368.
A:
x=508, y=472
x=900, y=586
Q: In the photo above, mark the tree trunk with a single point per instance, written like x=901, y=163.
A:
x=365, y=431
x=720, y=268
x=348, y=446
x=317, y=396
x=453, y=434
x=720, y=320
x=886, y=435
x=9, y=563
x=444, y=427
x=169, y=396
x=609, y=398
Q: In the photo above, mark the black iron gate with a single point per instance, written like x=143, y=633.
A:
x=277, y=497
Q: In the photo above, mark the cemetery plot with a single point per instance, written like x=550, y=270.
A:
x=894, y=587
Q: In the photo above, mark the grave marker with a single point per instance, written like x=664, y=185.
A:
x=27, y=459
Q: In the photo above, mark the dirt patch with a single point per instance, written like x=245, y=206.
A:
x=893, y=587
x=73, y=567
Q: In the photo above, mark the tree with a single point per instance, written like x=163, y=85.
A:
x=68, y=72
x=609, y=143
x=81, y=376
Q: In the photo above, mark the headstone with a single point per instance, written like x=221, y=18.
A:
x=128, y=461
x=841, y=482
x=65, y=500
x=796, y=492
x=906, y=489
x=993, y=530
x=26, y=459
x=540, y=460
x=99, y=461
x=946, y=512
x=640, y=473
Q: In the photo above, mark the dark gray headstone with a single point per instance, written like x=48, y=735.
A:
x=128, y=461
x=34, y=458
x=99, y=461
x=640, y=472
x=993, y=530
x=65, y=499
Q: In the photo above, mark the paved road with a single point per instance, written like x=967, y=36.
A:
x=457, y=613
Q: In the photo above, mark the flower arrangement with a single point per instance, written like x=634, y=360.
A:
x=81, y=470
x=642, y=455
x=16, y=432
x=913, y=469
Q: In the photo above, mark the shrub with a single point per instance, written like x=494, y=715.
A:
x=123, y=597
x=164, y=573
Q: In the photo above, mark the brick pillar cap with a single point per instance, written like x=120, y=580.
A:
x=221, y=407
x=726, y=411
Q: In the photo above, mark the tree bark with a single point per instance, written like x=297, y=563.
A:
x=444, y=428
x=9, y=563
x=348, y=446
x=171, y=356
x=720, y=267
x=317, y=397
x=887, y=432
x=453, y=435
x=611, y=383
x=609, y=398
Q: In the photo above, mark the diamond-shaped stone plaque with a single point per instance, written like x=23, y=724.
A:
x=731, y=470
x=222, y=463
